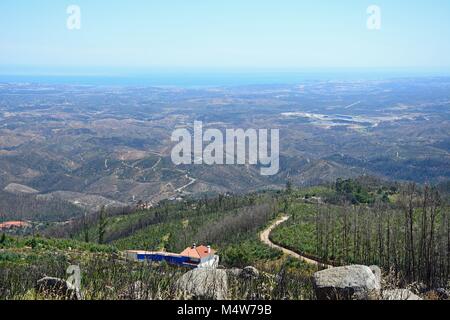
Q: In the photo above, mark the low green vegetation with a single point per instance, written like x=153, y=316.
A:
x=297, y=233
x=230, y=224
x=107, y=275
x=402, y=228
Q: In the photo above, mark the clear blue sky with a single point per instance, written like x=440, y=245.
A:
x=280, y=34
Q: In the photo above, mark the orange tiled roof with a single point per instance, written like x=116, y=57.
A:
x=197, y=252
x=14, y=224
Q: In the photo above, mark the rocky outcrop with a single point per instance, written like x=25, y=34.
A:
x=442, y=294
x=250, y=273
x=58, y=289
x=377, y=272
x=204, y=284
x=355, y=282
x=399, y=294
x=234, y=272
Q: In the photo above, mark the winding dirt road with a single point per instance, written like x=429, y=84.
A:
x=191, y=182
x=265, y=239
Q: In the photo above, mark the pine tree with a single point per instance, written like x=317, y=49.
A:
x=3, y=238
x=289, y=186
x=85, y=228
x=102, y=222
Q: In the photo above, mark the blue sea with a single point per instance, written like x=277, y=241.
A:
x=220, y=78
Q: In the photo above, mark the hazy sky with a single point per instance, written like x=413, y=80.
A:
x=225, y=34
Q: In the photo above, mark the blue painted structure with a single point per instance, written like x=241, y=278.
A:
x=169, y=258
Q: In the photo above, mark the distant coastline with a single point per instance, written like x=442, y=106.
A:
x=212, y=78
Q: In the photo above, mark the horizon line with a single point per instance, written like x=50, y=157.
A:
x=125, y=71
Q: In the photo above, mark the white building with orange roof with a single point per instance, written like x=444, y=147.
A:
x=205, y=256
x=14, y=225
x=193, y=257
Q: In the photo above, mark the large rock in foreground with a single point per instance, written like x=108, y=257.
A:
x=58, y=289
x=204, y=284
x=353, y=282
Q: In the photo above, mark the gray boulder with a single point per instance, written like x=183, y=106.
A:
x=250, y=273
x=399, y=294
x=234, y=272
x=355, y=282
x=204, y=284
x=58, y=289
x=442, y=294
x=377, y=272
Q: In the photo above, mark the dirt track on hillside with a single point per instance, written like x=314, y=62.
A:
x=265, y=239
